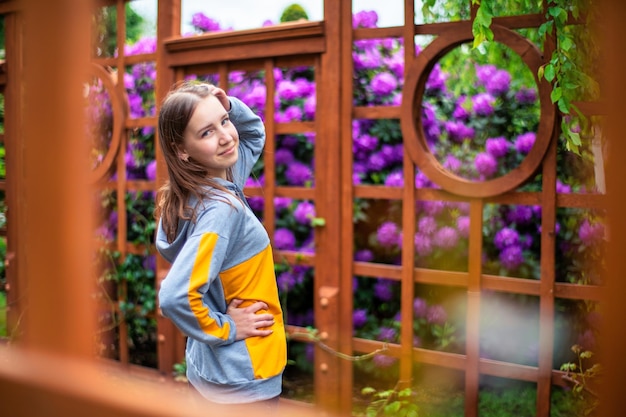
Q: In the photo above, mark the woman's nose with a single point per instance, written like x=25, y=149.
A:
x=225, y=136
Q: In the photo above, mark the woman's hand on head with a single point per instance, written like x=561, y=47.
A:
x=222, y=97
x=248, y=322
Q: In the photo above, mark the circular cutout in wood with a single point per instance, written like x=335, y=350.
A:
x=412, y=124
x=105, y=118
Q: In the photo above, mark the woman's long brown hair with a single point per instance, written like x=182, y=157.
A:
x=186, y=178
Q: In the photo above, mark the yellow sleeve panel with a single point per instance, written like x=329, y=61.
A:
x=199, y=276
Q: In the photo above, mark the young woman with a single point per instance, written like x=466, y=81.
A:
x=221, y=290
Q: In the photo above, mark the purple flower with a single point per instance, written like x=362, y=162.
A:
x=151, y=170
x=436, y=315
x=365, y=19
x=388, y=234
x=520, y=215
x=526, y=95
x=293, y=113
x=376, y=162
x=452, y=164
x=304, y=212
x=421, y=180
x=364, y=144
x=395, y=179
x=436, y=80
x=433, y=208
x=525, y=142
x=284, y=239
x=427, y=225
x=446, y=238
x=149, y=262
x=359, y=318
x=105, y=233
x=499, y=83
x=460, y=109
x=363, y=255
x=485, y=72
x=309, y=352
x=392, y=154
x=396, y=64
x=463, y=225
x=298, y=173
x=370, y=59
x=204, y=23
x=384, y=83
x=387, y=334
x=423, y=244
x=497, y=147
x=287, y=90
x=384, y=361
x=458, y=131
x=589, y=233
x=283, y=156
x=281, y=203
x=420, y=308
x=482, y=104
x=417, y=342
x=562, y=188
x=129, y=81
x=485, y=164
x=506, y=237
x=145, y=45
x=286, y=281
x=383, y=289
x=511, y=257
x=256, y=203
x=310, y=105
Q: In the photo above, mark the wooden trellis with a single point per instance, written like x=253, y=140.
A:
x=326, y=48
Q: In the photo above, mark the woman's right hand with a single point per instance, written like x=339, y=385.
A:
x=247, y=322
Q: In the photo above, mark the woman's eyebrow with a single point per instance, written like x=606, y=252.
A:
x=205, y=127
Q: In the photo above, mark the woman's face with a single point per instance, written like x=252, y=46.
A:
x=210, y=138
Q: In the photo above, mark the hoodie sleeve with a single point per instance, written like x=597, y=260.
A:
x=182, y=296
x=251, y=138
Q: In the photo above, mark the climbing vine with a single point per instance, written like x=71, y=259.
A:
x=571, y=68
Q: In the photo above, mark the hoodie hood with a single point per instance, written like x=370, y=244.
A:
x=170, y=250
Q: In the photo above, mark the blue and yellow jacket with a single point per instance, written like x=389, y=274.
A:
x=223, y=255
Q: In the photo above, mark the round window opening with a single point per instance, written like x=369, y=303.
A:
x=103, y=111
x=476, y=120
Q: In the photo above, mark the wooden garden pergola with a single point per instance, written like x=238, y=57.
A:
x=49, y=247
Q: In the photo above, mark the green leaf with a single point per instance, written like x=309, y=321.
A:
x=318, y=222
x=549, y=72
x=556, y=94
x=566, y=43
x=563, y=105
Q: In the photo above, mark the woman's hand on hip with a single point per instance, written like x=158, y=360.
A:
x=248, y=323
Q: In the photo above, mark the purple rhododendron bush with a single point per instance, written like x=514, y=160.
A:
x=480, y=117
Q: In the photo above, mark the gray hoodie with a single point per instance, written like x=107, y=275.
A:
x=226, y=254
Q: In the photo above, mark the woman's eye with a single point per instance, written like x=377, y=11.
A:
x=225, y=121
x=206, y=133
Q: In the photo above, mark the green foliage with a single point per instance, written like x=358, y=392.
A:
x=293, y=13
x=580, y=375
x=570, y=73
x=391, y=403
x=180, y=371
x=106, y=27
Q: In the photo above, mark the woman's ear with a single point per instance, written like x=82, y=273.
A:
x=182, y=155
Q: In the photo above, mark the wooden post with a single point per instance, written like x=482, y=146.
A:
x=55, y=249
